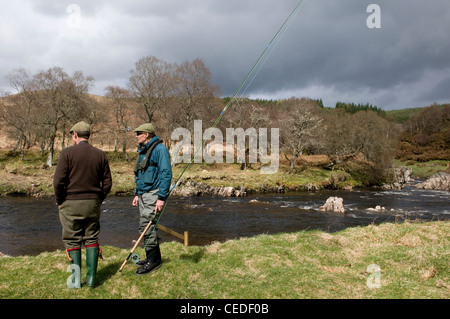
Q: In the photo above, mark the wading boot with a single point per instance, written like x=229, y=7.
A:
x=92, y=254
x=74, y=255
x=152, y=263
x=141, y=262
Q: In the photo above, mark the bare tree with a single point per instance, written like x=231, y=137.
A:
x=378, y=137
x=61, y=98
x=342, y=136
x=152, y=81
x=302, y=129
x=194, y=91
x=17, y=110
x=248, y=115
x=122, y=99
x=192, y=99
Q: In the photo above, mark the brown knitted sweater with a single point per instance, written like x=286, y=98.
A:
x=82, y=173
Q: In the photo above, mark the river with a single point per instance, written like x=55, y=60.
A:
x=29, y=226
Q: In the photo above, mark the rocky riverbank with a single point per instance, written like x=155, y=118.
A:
x=192, y=187
x=30, y=178
x=439, y=181
x=400, y=176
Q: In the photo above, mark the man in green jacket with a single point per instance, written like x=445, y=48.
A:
x=81, y=182
x=153, y=175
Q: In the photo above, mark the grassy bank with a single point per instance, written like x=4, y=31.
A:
x=32, y=177
x=425, y=169
x=412, y=260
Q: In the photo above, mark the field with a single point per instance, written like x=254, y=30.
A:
x=387, y=261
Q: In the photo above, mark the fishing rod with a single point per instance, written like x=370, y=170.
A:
x=257, y=66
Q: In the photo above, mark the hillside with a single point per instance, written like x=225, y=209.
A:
x=319, y=147
x=403, y=115
x=425, y=135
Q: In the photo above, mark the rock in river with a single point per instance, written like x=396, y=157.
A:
x=439, y=181
x=334, y=204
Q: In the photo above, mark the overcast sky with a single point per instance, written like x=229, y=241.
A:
x=328, y=52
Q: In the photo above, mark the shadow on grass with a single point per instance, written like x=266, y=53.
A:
x=195, y=256
x=104, y=273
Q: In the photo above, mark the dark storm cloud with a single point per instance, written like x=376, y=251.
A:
x=328, y=51
x=335, y=48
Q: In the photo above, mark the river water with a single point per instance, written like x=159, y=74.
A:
x=29, y=226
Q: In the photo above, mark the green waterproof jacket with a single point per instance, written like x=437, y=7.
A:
x=157, y=174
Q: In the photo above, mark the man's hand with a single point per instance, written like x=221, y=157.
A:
x=135, y=201
x=159, y=205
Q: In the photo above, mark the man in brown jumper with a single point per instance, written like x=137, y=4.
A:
x=81, y=182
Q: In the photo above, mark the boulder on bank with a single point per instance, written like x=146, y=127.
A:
x=226, y=191
x=333, y=204
x=439, y=181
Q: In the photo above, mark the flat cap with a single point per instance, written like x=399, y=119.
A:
x=147, y=127
x=80, y=127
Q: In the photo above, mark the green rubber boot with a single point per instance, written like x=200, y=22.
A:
x=74, y=255
x=92, y=254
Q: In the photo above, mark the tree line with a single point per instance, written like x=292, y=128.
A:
x=48, y=102
x=354, y=108
x=173, y=95
x=306, y=127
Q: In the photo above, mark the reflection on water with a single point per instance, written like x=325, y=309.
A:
x=30, y=226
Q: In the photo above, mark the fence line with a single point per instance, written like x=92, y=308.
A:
x=184, y=237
